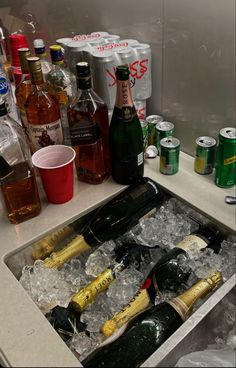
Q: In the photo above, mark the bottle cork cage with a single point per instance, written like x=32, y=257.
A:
x=195, y=334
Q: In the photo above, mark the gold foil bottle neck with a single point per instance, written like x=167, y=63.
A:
x=184, y=303
x=24, y=53
x=35, y=69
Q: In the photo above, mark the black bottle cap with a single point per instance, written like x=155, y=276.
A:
x=3, y=109
x=83, y=75
x=5, y=168
x=122, y=72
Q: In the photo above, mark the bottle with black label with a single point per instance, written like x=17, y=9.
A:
x=112, y=220
x=146, y=332
x=168, y=273
x=126, y=136
x=89, y=126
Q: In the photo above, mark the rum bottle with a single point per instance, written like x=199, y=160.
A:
x=42, y=110
x=88, y=123
x=126, y=137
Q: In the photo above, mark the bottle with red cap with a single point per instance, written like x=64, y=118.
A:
x=17, y=41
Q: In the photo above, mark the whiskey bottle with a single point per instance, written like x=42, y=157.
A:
x=146, y=332
x=42, y=110
x=62, y=84
x=17, y=179
x=88, y=123
x=113, y=219
x=126, y=137
x=22, y=90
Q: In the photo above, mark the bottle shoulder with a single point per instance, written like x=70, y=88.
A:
x=87, y=101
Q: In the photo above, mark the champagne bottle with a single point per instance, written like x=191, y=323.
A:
x=168, y=273
x=146, y=332
x=113, y=219
x=126, y=137
x=129, y=254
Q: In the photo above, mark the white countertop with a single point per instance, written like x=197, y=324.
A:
x=26, y=337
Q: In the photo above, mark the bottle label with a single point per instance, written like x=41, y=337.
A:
x=123, y=98
x=84, y=133
x=138, y=304
x=4, y=87
x=87, y=295
x=46, y=135
x=189, y=240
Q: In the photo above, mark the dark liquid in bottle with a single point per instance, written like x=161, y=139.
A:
x=20, y=194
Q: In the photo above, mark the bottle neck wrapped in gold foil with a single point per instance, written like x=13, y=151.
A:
x=35, y=70
x=184, y=303
x=24, y=53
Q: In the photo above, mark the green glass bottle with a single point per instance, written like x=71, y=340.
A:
x=146, y=332
x=126, y=137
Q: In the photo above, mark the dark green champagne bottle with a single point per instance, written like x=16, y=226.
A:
x=168, y=274
x=126, y=137
x=146, y=332
x=112, y=220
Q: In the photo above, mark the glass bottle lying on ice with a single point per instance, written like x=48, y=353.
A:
x=17, y=180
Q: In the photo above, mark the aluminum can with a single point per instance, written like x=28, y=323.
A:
x=205, y=155
x=141, y=108
x=104, y=78
x=63, y=42
x=140, y=71
x=169, y=155
x=225, y=176
x=100, y=34
x=144, y=126
x=163, y=129
x=111, y=38
x=77, y=51
x=97, y=42
x=130, y=41
x=152, y=121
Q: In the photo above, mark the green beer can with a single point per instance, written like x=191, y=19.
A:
x=204, y=162
x=226, y=158
x=144, y=126
x=152, y=121
x=169, y=155
x=163, y=129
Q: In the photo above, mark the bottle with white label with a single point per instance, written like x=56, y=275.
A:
x=126, y=136
x=168, y=273
x=42, y=110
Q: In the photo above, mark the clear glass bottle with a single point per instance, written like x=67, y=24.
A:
x=62, y=84
x=6, y=94
x=17, y=179
x=22, y=91
x=88, y=122
x=40, y=52
x=42, y=110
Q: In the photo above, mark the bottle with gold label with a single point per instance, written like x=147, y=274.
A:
x=146, y=332
x=42, y=110
x=128, y=254
x=62, y=84
x=112, y=220
x=168, y=273
x=23, y=88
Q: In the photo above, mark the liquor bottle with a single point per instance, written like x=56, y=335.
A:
x=128, y=254
x=88, y=122
x=62, y=84
x=40, y=52
x=126, y=137
x=168, y=273
x=113, y=219
x=22, y=90
x=146, y=332
x=17, y=179
x=42, y=110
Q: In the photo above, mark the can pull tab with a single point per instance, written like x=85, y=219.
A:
x=230, y=199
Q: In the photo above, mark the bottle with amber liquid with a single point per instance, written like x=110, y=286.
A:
x=126, y=136
x=146, y=332
x=42, y=110
x=88, y=124
x=17, y=180
x=23, y=88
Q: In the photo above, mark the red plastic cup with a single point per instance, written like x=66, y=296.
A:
x=17, y=40
x=55, y=165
